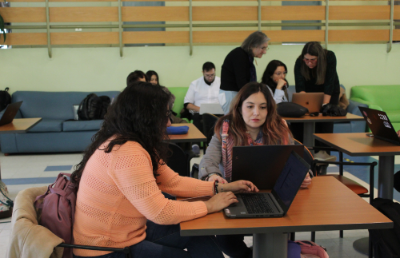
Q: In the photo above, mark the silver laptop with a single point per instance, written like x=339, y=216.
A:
x=276, y=203
x=212, y=108
x=10, y=112
x=310, y=100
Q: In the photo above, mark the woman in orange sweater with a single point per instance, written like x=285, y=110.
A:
x=119, y=201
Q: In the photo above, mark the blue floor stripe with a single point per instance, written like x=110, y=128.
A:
x=28, y=181
x=58, y=168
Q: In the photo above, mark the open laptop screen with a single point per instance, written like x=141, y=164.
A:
x=290, y=180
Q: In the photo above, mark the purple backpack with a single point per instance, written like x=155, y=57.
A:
x=56, y=209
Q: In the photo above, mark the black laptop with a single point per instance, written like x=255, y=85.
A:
x=10, y=113
x=276, y=203
x=380, y=125
x=261, y=164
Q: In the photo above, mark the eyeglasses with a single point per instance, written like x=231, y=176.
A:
x=209, y=75
x=264, y=48
x=280, y=73
x=310, y=60
x=169, y=113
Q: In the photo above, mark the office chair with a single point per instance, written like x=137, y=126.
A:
x=209, y=121
x=26, y=229
x=179, y=161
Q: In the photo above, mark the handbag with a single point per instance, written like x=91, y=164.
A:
x=290, y=109
x=6, y=204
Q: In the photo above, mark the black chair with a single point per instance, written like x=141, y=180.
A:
x=126, y=251
x=179, y=160
x=209, y=121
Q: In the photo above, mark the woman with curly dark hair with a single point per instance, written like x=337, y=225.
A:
x=121, y=179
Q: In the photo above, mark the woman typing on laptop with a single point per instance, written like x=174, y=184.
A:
x=252, y=120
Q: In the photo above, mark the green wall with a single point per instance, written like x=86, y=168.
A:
x=90, y=69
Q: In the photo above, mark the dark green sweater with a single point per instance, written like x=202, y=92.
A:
x=331, y=85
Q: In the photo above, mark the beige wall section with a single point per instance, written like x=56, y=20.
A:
x=92, y=69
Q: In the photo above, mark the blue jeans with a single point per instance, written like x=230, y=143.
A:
x=225, y=98
x=165, y=241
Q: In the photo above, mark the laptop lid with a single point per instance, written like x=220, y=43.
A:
x=380, y=125
x=276, y=203
x=310, y=100
x=290, y=180
x=10, y=113
x=212, y=108
x=261, y=164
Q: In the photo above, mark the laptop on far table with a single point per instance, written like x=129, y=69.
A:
x=380, y=125
x=261, y=164
x=276, y=203
x=10, y=113
x=212, y=108
x=310, y=100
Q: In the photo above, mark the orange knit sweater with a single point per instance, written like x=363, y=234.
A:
x=118, y=193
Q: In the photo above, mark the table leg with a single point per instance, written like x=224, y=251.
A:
x=271, y=245
x=385, y=177
x=308, y=137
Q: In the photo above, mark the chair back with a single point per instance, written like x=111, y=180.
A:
x=179, y=160
x=209, y=121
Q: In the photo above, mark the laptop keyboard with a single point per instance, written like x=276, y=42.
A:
x=256, y=203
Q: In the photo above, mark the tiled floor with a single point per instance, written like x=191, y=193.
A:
x=24, y=171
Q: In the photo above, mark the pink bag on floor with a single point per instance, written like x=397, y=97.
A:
x=311, y=248
x=56, y=209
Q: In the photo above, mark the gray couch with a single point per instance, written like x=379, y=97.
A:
x=57, y=132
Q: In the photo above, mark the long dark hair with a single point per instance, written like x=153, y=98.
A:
x=269, y=71
x=313, y=48
x=274, y=130
x=150, y=73
x=138, y=114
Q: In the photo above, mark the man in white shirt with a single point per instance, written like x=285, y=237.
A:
x=203, y=90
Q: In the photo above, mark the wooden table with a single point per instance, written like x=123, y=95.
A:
x=193, y=135
x=19, y=125
x=326, y=205
x=359, y=144
x=309, y=124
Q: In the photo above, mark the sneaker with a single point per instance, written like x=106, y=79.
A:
x=196, y=149
x=323, y=156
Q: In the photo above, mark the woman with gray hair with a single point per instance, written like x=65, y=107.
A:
x=238, y=67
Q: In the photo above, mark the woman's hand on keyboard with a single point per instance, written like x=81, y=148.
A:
x=241, y=186
x=217, y=178
x=220, y=201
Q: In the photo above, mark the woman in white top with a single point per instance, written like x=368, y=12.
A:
x=274, y=77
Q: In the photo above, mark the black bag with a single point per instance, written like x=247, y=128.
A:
x=333, y=110
x=93, y=107
x=386, y=242
x=5, y=98
x=289, y=109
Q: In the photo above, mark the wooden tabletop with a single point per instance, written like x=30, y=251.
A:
x=326, y=205
x=19, y=125
x=321, y=118
x=358, y=144
x=193, y=134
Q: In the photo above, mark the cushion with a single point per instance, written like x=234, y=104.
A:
x=48, y=125
x=88, y=125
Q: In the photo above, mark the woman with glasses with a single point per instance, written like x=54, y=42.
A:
x=315, y=71
x=238, y=67
x=121, y=178
x=275, y=78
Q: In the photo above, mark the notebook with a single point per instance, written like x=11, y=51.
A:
x=311, y=100
x=211, y=108
x=10, y=113
x=261, y=164
x=380, y=125
x=276, y=203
